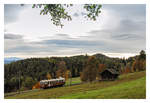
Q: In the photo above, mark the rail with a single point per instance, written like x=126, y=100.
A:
x=21, y=92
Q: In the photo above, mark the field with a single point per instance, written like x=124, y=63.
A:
x=132, y=85
x=74, y=81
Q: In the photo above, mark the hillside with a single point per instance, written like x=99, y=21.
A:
x=24, y=74
x=36, y=69
x=132, y=85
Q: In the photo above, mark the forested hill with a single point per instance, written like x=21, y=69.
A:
x=32, y=70
x=40, y=66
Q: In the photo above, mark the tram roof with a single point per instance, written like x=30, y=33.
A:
x=52, y=80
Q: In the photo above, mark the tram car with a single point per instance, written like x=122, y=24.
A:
x=52, y=83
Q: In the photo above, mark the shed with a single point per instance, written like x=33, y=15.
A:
x=109, y=74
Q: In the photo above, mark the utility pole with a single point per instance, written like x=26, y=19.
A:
x=70, y=78
x=19, y=79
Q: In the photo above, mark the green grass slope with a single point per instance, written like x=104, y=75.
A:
x=132, y=89
x=73, y=81
x=131, y=85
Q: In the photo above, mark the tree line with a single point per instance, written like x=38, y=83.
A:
x=25, y=73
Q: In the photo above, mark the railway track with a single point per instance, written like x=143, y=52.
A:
x=21, y=92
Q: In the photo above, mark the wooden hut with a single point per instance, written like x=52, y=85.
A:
x=109, y=74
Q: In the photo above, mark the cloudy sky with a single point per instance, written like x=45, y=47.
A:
x=118, y=32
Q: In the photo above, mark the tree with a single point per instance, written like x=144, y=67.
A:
x=139, y=65
x=14, y=83
x=101, y=67
x=36, y=86
x=61, y=69
x=58, y=12
x=83, y=75
x=48, y=76
x=142, y=55
x=67, y=74
x=134, y=66
x=90, y=71
x=29, y=82
x=127, y=69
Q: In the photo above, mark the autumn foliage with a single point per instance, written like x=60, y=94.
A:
x=36, y=86
x=49, y=76
x=87, y=67
x=61, y=69
x=90, y=71
x=139, y=64
x=67, y=74
x=101, y=67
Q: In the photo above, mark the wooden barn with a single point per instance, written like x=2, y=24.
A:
x=109, y=74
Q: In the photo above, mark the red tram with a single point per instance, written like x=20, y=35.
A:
x=52, y=83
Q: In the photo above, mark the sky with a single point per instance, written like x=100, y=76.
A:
x=119, y=31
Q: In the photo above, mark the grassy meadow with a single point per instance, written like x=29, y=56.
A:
x=132, y=85
x=73, y=81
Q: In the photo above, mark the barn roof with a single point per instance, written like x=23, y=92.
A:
x=113, y=71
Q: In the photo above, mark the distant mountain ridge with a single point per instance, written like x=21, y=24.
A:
x=11, y=59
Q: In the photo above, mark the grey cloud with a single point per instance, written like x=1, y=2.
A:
x=126, y=37
x=12, y=11
x=62, y=35
x=57, y=45
x=76, y=14
x=5, y=30
x=126, y=30
x=128, y=10
x=79, y=14
x=72, y=43
x=29, y=49
x=127, y=25
x=57, y=36
x=94, y=31
x=83, y=14
x=52, y=46
x=12, y=36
